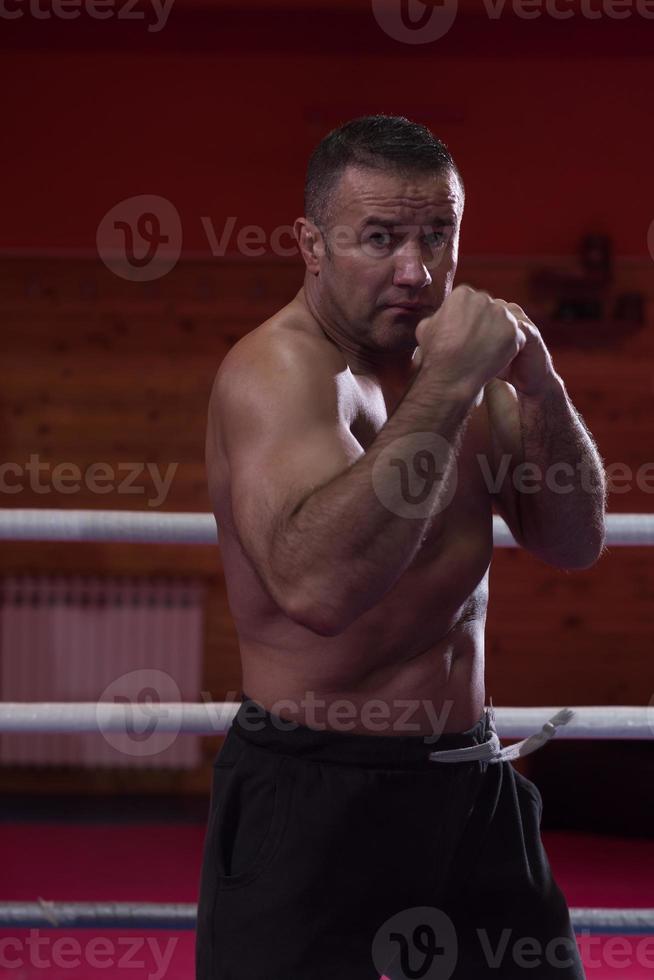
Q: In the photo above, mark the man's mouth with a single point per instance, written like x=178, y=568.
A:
x=410, y=308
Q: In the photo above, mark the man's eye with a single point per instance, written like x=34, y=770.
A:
x=435, y=238
x=380, y=238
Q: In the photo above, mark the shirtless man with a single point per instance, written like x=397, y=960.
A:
x=354, y=446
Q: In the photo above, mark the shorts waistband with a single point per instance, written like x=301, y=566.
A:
x=257, y=726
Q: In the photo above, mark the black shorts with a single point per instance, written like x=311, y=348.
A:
x=332, y=855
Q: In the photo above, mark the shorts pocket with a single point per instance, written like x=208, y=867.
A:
x=251, y=797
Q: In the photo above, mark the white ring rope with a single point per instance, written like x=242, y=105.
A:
x=183, y=915
x=139, y=527
x=613, y=920
x=214, y=718
x=142, y=527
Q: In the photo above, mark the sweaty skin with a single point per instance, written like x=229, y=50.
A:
x=412, y=663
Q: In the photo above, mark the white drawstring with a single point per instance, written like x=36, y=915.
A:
x=491, y=750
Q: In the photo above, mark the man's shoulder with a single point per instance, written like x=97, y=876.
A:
x=285, y=347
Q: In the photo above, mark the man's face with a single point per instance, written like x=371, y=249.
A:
x=393, y=247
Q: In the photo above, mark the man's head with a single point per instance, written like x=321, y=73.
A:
x=383, y=206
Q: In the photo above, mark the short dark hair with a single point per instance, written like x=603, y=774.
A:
x=379, y=142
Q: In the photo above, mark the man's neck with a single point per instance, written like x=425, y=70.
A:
x=393, y=371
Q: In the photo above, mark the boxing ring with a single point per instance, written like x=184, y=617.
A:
x=214, y=718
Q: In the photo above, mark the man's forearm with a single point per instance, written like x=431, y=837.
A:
x=562, y=520
x=349, y=541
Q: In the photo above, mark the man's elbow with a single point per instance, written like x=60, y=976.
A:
x=577, y=556
x=318, y=623
x=321, y=618
x=579, y=562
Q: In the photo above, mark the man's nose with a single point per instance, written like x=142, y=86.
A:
x=410, y=270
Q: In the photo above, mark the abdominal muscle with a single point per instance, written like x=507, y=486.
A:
x=441, y=690
x=412, y=665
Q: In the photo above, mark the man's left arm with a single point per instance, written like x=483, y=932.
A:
x=552, y=486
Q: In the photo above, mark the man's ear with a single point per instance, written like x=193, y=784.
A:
x=311, y=243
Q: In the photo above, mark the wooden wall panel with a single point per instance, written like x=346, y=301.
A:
x=96, y=369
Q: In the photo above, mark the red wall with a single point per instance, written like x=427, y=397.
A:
x=550, y=121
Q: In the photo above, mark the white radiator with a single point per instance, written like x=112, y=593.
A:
x=92, y=639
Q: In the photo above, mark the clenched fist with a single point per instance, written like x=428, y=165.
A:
x=474, y=338
x=531, y=369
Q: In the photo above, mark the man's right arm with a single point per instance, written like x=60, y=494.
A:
x=304, y=503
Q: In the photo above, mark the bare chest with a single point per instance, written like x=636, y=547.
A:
x=451, y=563
x=418, y=462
